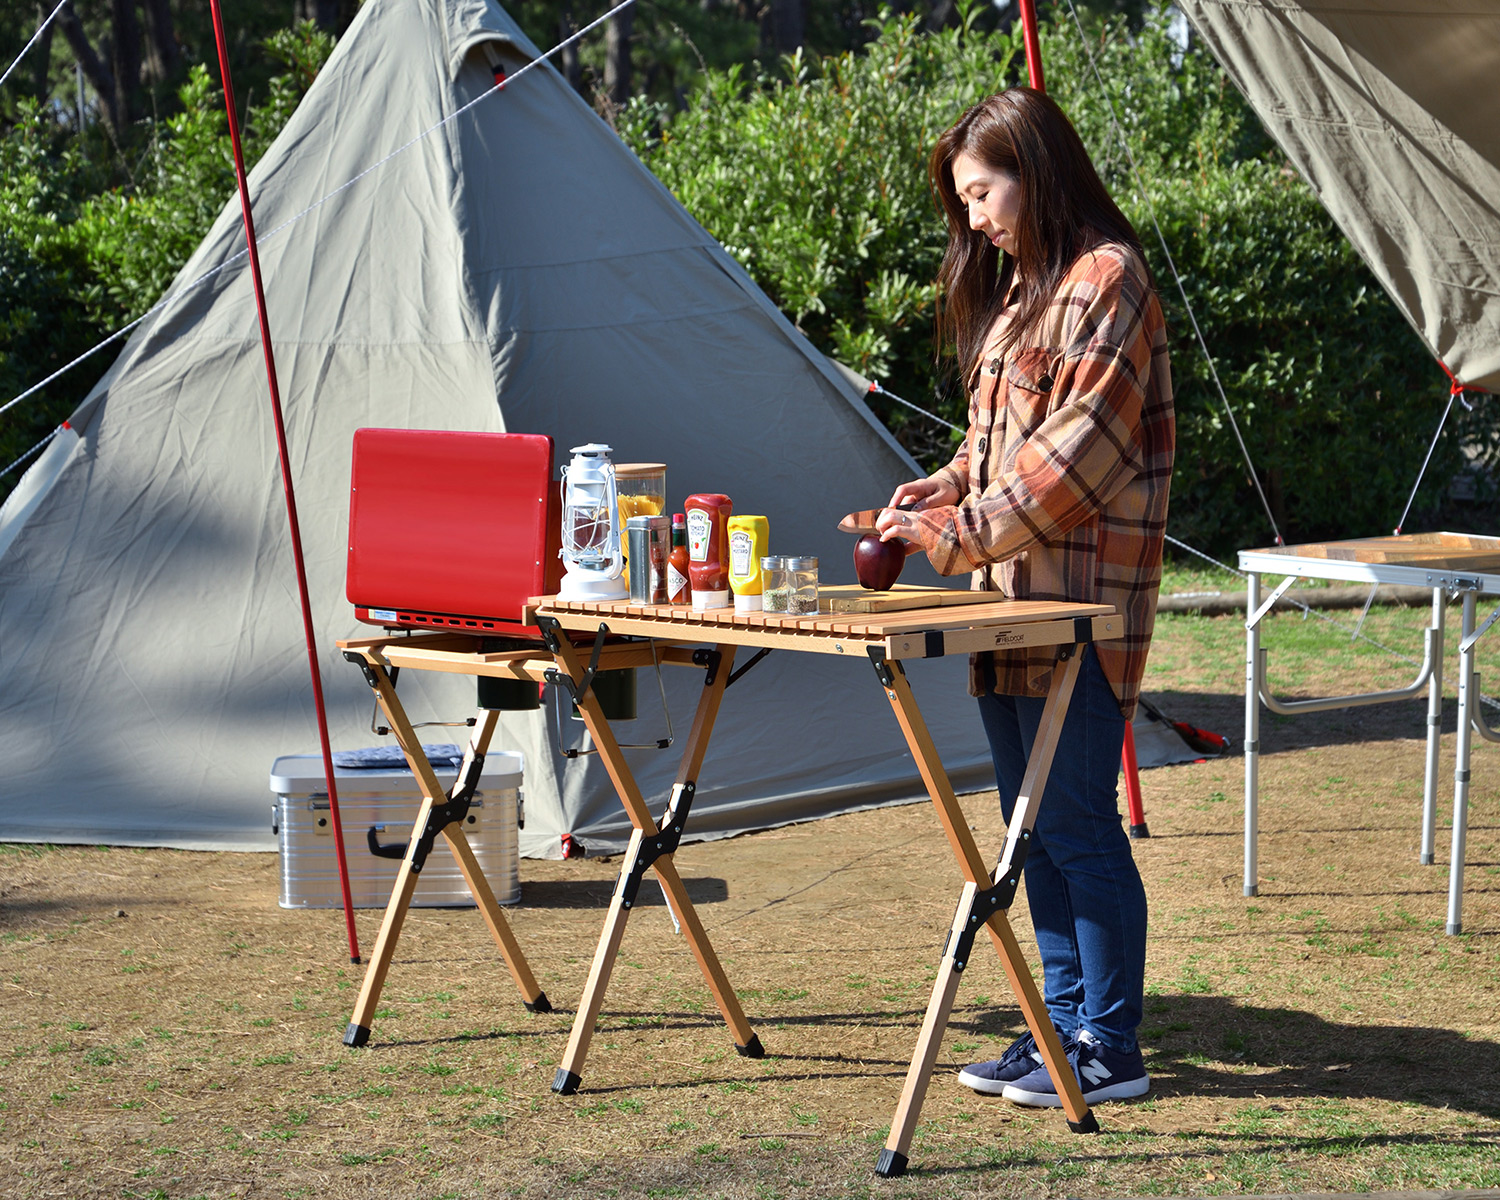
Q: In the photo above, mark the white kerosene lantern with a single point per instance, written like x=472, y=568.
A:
x=591, y=528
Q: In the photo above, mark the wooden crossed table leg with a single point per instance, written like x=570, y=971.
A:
x=651, y=847
x=984, y=903
x=440, y=812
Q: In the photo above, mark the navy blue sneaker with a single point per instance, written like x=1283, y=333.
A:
x=1102, y=1075
x=1019, y=1060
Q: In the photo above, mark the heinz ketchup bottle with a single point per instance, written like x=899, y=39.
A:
x=708, y=516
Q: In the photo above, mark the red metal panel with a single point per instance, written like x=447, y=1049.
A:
x=446, y=526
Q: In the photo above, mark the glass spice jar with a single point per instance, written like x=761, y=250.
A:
x=802, y=579
x=776, y=594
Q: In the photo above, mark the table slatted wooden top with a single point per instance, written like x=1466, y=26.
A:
x=905, y=633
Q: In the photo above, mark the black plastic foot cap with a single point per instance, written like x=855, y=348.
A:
x=1140, y=831
x=890, y=1164
x=565, y=1083
x=540, y=1004
x=1087, y=1125
x=356, y=1035
x=752, y=1048
x=1428, y=859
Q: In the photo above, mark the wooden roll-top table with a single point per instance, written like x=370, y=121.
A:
x=576, y=639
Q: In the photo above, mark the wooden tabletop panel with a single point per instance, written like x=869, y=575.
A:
x=1439, y=551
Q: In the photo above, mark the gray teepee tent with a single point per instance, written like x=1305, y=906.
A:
x=515, y=269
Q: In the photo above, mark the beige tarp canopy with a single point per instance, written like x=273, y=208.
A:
x=1386, y=108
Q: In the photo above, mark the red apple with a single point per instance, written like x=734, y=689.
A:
x=878, y=564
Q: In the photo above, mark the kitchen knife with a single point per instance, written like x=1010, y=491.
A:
x=864, y=520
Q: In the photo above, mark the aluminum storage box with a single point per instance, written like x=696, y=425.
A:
x=386, y=800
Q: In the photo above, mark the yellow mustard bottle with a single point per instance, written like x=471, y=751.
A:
x=748, y=539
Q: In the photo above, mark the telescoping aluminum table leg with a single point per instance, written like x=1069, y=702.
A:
x=1470, y=722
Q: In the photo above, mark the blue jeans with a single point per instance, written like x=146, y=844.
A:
x=1087, y=902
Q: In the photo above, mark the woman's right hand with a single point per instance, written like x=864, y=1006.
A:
x=923, y=494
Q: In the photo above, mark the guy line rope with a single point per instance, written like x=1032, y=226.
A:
x=40, y=29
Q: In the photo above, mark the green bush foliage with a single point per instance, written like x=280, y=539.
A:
x=817, y=184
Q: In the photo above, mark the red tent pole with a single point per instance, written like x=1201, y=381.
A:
x=286, y=473
x=1033, y=46
x=1131, y=770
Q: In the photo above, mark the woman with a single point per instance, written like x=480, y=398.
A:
x=1059, y=492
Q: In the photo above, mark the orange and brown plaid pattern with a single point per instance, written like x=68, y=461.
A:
x=1064, y=473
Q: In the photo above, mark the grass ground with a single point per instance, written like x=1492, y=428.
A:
x=168, y=1032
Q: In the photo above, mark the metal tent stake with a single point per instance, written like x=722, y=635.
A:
x=286, y=473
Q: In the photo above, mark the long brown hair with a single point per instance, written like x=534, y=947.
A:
x=1064, y=211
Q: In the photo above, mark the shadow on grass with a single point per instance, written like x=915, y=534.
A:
x=1224, y=713
x=1200, y=1045
x=1219, y=1145
x=596, y=893
x=1196, y=1046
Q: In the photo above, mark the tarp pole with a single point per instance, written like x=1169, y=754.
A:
x=1033, y=46
x=286, y=474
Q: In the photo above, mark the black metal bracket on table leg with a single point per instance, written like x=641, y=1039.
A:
x=454, y=808
x=885, y=669
x=367, y=669
x=710, y=660
x=996, y=898
x=552, y=635
x=441, y=814
x=740, y=671
x=665, y=841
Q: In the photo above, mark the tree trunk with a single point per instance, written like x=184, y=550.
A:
x=95, y=70
x=324, y=13
x=125, y=56
x=571, y=71
x=617, y=57
x=162, y=51
x=43, y=53
x=786, y=25
x=942, y=14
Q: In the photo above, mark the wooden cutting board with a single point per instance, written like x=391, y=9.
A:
x=851, y=597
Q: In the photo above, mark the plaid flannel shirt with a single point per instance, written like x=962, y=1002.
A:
x=1064, y=472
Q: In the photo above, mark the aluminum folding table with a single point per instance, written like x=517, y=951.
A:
x=580, y=639
x=1460, y=563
